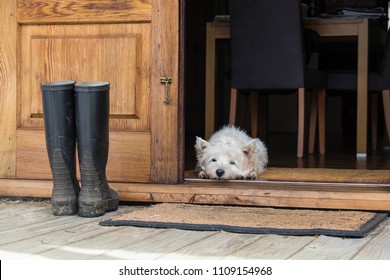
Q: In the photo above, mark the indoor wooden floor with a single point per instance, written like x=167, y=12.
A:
x=340, y=153
x=29, y=231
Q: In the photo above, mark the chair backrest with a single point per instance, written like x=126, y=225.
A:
x=266, y=44
x=385, y=69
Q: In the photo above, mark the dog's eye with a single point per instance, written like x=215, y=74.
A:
x=232, y=162
x=214, y=160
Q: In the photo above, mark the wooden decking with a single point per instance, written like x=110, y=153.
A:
x=29, y=231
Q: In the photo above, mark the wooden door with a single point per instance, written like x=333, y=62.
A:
x=130, y=43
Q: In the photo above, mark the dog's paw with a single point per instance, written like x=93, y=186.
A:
x=202, y=175
x=251, y=175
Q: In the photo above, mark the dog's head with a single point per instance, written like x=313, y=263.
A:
x=222, y=161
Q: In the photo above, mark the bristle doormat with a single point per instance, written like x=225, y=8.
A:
x=251, y=220
x=319, y=175
x=326, y=175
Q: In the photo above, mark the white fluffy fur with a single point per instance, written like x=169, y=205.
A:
x=230, y=154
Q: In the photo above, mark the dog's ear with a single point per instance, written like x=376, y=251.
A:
x=249, y=148
x=201, y=144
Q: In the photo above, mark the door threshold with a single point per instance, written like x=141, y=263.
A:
x=313, y=195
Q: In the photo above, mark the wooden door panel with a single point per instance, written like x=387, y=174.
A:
x=128, y=161
x=130, y=43
x=118, y=53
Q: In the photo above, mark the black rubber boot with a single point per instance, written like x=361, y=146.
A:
x=60, y=130
x=92, y=112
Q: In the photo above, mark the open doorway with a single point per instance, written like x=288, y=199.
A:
x=281, y=134
x=198, y=14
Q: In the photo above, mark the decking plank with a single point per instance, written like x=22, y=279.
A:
x=97, y=245
x=9, y=209
x=26, y=221
x=30, y=224
x=54, y=239
x=378, y=247
x=156, y=246
x=215, y=246
x=40, y=235
x=272, y=247
x=330, y=248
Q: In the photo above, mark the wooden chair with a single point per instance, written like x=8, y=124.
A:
x=378, y=82
x=267, y=53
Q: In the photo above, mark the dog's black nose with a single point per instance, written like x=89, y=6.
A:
x=220, y=172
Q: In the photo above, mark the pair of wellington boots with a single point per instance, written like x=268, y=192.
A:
x=78, y=113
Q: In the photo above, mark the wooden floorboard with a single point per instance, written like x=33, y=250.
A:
x=99, y=244
x=330, y=248
x=378, y=247
x=272, y=247
x=157, y=245
x=340, y=153
x=29, y=231
x=216, y=246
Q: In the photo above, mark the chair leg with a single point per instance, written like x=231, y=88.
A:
x=254, y=112
x=241, y=109
x=386, y=109
x=321, y=120
x=374, y=121
x=262, y=128
x=233, y=106
x=301, y=121
x=313, y=120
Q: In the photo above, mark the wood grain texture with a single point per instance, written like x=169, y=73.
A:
x=128, y=159
x=118, y=53
x=8, y=69
x=362, y=87
x=270, y=194
x=334, y=249
x=214, y=246
x=81, y=11
x=156, y=246
x=164, y=117
x=378, y=248
x=272, y=247
x=29, y=230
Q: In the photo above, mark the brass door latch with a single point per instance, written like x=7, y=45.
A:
x=167, y=81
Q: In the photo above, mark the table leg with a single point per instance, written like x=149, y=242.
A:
x=210, y=81
x=361, y=142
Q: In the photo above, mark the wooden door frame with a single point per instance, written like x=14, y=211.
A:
x=181, y=113
x=167, y=125
x=169, y=186
x=8, y=88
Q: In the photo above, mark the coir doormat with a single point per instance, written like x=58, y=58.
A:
x=251, y=220
x=319, y=175
x=326, y=175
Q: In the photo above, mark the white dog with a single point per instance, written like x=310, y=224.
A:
x=230, y=154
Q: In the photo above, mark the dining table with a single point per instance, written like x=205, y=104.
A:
x=325, y=27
